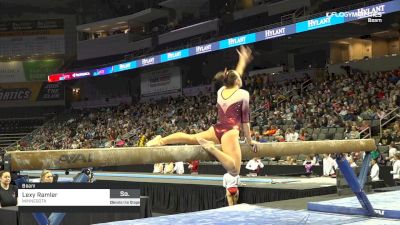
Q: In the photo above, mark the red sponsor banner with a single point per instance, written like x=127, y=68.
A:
x=55, y=77
x=68, y=76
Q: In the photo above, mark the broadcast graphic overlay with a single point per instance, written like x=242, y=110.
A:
x=78, y=197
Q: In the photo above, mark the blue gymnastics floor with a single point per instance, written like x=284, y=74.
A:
x=387, y=204
x=245, y=214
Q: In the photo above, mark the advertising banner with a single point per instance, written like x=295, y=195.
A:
x=160, y=82
x=23, y=71
x=38, y=70
x=31, y=27
x=28, y=93
x=11, y=72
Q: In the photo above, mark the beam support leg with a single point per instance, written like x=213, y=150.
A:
x=362, y=178
x=354, y=183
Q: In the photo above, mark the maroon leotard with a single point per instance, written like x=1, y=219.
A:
x=232, y=111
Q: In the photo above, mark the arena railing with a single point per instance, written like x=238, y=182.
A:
x=389, y=117
x=305, y=85
x=366, y=133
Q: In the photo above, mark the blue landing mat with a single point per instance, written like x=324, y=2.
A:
x=387, y=204
x=245, y=214
x=177, y=177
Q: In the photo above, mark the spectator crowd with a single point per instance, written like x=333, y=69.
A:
x=285, y=111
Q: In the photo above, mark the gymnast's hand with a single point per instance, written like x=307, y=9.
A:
x=208, y=145
x=253, y=144
x=245, y=54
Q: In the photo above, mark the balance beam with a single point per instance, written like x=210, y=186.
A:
x=101, y=157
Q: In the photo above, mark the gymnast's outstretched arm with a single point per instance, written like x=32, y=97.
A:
x=245, y=58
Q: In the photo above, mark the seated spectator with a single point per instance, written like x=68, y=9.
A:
x=392, y=153
x=304, y=135
x=396, y=138
x=291, y=135
x=379, y=158
x=254, y=165
x=271, y=131
x=169, y=168
x=308, y=165
x=8, y=192
x=329, y=166
x=386, y=138
x=353, y=134
x=179, y=168
x=357, y=156
x=290, y=160
x=364, y=125
x=352, y=163
x=348, y=127
x=231, y=183
x=380, y=114
x=194, y=167
x=158, y=168
x=374, y=170
x=396, y=168
x=120, y=143
x=279, y=136
x=256, y=136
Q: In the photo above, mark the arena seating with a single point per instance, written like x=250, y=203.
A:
x=324, y=110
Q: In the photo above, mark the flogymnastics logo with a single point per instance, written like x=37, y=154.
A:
x=372, y=13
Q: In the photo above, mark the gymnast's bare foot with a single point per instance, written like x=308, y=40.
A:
x=207, y=145
x=156, y=141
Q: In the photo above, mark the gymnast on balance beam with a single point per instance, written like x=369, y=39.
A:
x=233, y=113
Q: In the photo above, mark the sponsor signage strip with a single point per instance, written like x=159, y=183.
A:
x=330, y=20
